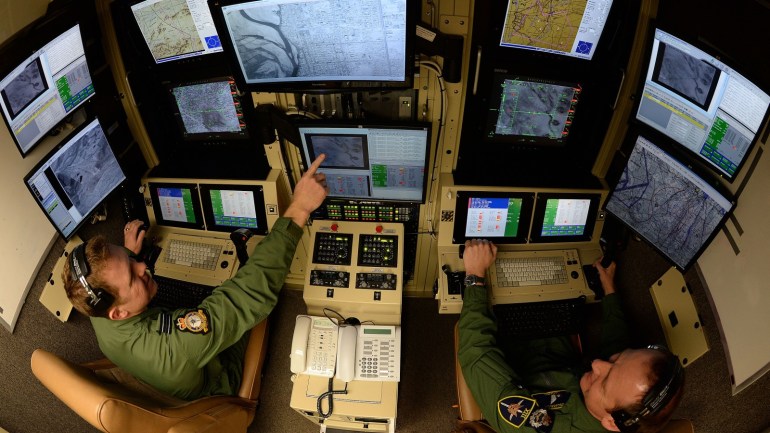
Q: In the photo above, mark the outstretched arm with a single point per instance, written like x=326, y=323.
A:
x=308, y=194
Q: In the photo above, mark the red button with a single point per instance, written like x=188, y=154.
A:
x=334, y=227
x=378, y=229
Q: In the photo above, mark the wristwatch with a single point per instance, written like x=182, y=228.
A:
x=474, y=280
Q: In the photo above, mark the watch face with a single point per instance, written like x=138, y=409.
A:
x=471, y=280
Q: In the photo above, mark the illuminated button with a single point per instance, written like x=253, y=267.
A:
x=378, y=229
x=334, y=227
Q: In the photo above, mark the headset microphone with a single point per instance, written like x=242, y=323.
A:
x=100, y=300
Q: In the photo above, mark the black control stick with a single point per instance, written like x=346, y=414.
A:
x=239, y=238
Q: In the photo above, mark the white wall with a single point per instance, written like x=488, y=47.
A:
x=25, y=232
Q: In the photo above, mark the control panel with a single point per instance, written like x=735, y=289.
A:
x=356, y=269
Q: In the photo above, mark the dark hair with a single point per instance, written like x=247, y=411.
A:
x=97, y=254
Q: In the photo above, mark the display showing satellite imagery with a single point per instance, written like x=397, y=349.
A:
x=88, y=170
x=207, y=108
x=168, y=28
x=666, y=203
x=687, y=75
x=24, y=88
x=342, y=151
x=534, y=109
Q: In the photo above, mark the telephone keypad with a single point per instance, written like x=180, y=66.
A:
x=322, y=348
x=378, y=360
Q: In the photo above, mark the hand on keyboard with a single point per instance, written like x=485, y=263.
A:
x=479, y=256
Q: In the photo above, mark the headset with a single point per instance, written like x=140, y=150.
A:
x=659, y=396
x=100, y=300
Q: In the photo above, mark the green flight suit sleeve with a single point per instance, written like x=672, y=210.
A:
x=614, y=335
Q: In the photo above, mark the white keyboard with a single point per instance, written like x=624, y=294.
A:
x=534, y=268
x=192, y=254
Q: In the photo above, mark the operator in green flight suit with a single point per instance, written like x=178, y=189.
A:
x=539, y=384
x=196, y=352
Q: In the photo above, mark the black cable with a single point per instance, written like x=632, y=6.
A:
x=330, y=396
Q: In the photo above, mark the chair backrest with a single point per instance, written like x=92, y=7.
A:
x=127, y=408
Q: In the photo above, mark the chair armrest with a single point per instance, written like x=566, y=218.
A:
x=473, y=427
x=253, y=360
x=469, y=409
x=225, y=418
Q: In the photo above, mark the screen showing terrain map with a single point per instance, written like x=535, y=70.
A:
x=380, y=162
x=176, y=29
x=526, y=110
x=75, y=178
x=319, y=43
x=667, y=204
x=701, y=103
x=570, y=28
x=209, y=110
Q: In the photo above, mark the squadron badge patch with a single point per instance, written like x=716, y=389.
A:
x=515, y=409
x=195, y=321
x=541, y=420
x=552, y=400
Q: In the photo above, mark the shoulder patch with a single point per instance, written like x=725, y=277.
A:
x=541, y=420
x=165, y=323
x=195, y=321
x=552, y=400
x=515, y=409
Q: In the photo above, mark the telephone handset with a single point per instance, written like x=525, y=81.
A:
x=314, y=346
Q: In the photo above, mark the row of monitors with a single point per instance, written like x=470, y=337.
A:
x=209, y=205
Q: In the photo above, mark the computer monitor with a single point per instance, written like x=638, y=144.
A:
x=44, y=88
x=176, y=205
x=208, y=110
x=531, y=111
x=370, y=161
x=569, y=28
x=230, y=207
x=501, y=217
x=564, y=217
x=319, y=45
x=75, y=178
x=176, y=29
x=695, y=99
x=674, y=209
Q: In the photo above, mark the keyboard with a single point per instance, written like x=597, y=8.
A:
x=193, y=254
x=174, y=293
x=540, y=319
x=520, y=271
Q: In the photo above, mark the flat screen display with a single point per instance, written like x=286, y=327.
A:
x=570, y=28
x=319, y=44
x=45, y=88
x=527, y=110
x=565, y=217
x=209, y=110
x=230, y=207
x=176, y=205
x=701, y=103
x=75, y=178
x=368, y=161
x=176, y=29
x=674, y=209
x=500, y=217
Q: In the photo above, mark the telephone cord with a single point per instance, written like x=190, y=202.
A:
x=330, y=396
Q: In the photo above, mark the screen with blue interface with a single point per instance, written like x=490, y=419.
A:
x=527, y=110
x=230, y=207
x=701, y=103
x=379, y=162
x=45, y=88
x=176, y=29
x=499, y=217
x=570, y=28
x=312, y=43
x=176, y=205
x=209, y=110
x=670, y=206
x=75, y=178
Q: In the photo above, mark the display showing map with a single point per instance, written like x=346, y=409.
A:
x=207, y=108
x=666, y=203
x=169, y=28
x=546, y=24
x=342, y=151
x=534, y=109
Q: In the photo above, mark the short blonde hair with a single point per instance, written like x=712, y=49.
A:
x=97, y=255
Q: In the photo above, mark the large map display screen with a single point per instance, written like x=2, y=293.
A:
x=176, y=29
x=571, y=28
x=667, y=204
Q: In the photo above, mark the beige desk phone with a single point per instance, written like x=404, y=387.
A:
x=363, y=352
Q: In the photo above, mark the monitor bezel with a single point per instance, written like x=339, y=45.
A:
x=312, y=85
x=705, y=175
x=541, y=200
x=693, y=158
x=32, y=45
x=208, y=209
x=47, y=158
x=244, y=134
x=158, y=213
x=461, y=215
x=495, y=99
x=411, y=125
